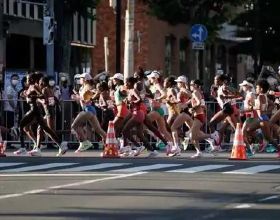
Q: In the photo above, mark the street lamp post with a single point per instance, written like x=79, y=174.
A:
x=118, y=35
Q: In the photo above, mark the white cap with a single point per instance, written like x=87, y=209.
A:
x=77, y=76
x=154, y=74
x=182, y=79
x=246, y=83
x=86, y=76
x=118, y=76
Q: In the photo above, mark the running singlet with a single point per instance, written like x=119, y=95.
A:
x=86, y=104
x=118, y=96
x=263, y=108
x=247, y=105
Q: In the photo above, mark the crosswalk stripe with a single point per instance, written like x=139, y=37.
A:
x=37, y=167
x=198, y=169
x=254, y=169
x=9, y=164
x=93, y=167
x=148, y=167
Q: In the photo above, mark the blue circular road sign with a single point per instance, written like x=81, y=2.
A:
x=199, y=33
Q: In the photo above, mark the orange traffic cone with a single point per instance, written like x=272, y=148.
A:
x=238, y=149
x=111, y=149
x=2, y=149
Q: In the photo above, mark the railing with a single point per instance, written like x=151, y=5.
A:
x=65, y=113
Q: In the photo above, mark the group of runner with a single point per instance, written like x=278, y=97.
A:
x=138, y=104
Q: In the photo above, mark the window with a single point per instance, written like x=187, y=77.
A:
x=183, y=55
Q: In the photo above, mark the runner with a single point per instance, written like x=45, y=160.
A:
x=157, y=113
x=87, y=115
x=34, y=116
x=183, y=98
x=198, y=112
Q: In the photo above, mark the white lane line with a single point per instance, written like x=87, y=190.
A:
x=148, y=167
x=269, y=198
x=38, y=167
x=93, y=167
x=243, y=206
x=81, y=183
x=55, y=174
x=198, y=168
x=9, y=164
x=254, y=169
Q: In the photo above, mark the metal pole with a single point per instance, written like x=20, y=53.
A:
x=118, y=36
x=50, y=47
x=106, y=53
x=1, y=36
x=129, y=39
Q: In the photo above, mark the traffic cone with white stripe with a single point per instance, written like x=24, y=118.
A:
x=111, y=145
x=3, y=145
x=239, y=148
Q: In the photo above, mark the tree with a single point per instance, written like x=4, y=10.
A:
x=64, y=11
x=211, y=13
x=260, y=21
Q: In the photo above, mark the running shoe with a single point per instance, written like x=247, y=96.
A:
x=213, y=147
x=153, y=154
x=176, y=152
x=21, y=151
x=138, y=151
x=125, y=151
x=85, y=145
x=249, y=152
x=36, y=152
x=62, y=149
x=197, y=155
x=216, y=137
x=168, y=149
x=186, y=143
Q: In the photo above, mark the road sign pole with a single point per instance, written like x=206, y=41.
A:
x=50, y=47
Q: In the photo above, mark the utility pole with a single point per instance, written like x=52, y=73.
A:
x=129, y=39
x=118, y=35
x=2, y=47
x=50, y=47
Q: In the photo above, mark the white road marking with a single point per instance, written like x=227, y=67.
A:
x=86, y=182
x=9, y=164
x=148, y=167
x=38, y=167
x=55, y=174
x=254, y=169
x=243, y=206
x=269, y=198
x=198, y=169
x=93, y=167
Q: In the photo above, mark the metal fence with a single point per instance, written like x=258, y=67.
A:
x=65, y=113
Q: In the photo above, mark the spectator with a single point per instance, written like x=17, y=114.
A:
x=66, y=92
x=10, y=95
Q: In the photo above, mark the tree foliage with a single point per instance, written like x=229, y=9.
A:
x=211, y=13
x=261, y=22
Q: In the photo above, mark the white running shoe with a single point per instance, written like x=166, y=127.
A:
x=84, y=146
x=197, y=155
x=125, y=151
x=216, y=137
x=21, y=152
x=176, y=152
x=186, y=143
x=62, y=149
x=153, y=154
x=36, y=152
x=138, y=151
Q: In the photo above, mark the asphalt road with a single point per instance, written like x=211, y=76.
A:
x=163, y=188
